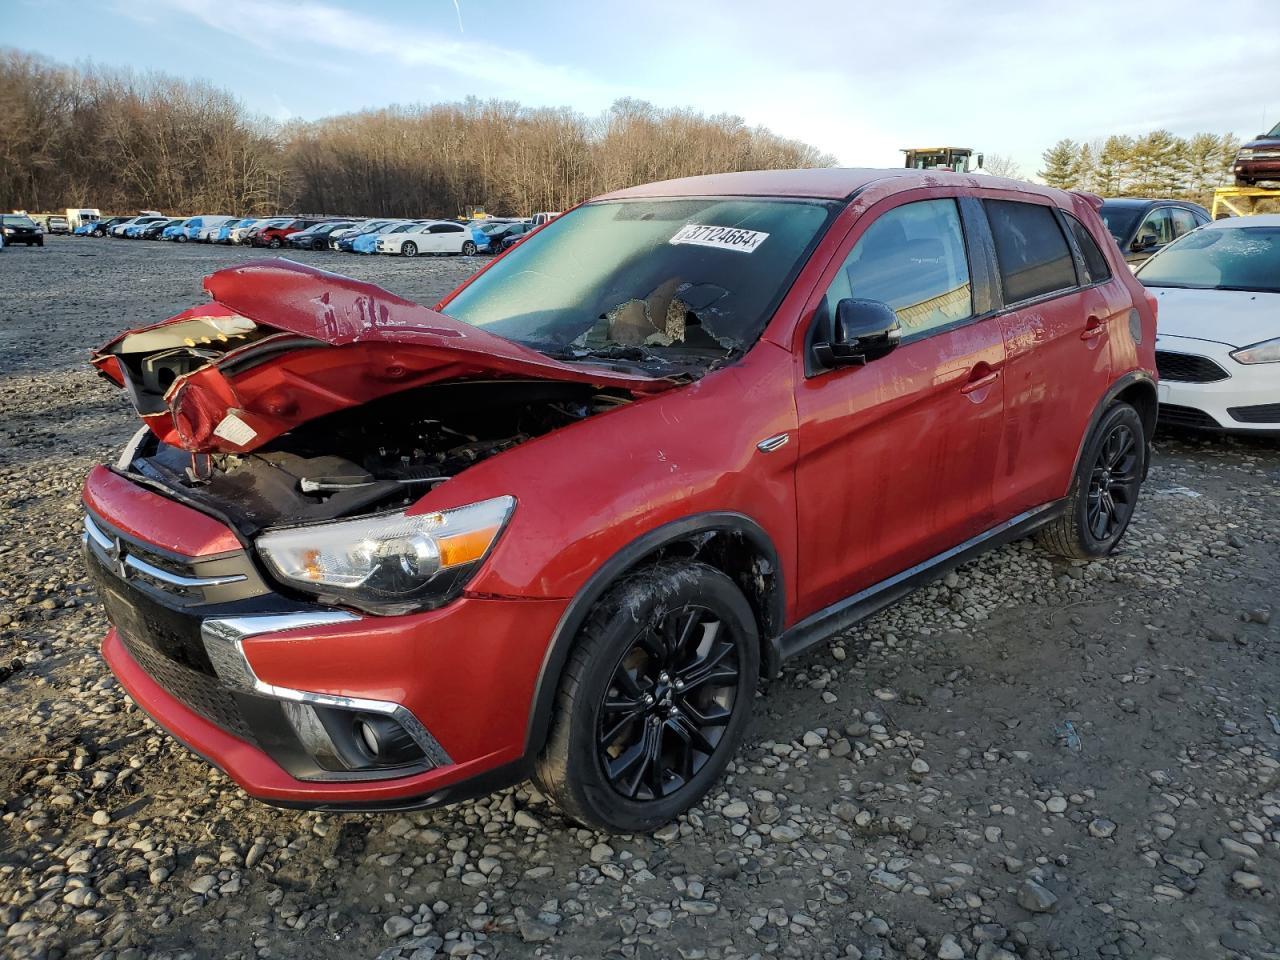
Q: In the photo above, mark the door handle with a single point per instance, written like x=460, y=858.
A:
x=981, y=376
x=1094, y=327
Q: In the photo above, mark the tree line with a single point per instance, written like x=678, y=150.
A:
x=89, y=136
x=1158, y=164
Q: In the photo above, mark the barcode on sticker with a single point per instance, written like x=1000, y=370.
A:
x=723, y=238
x=234, y=430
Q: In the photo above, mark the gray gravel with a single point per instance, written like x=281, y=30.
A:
x=1029, y=759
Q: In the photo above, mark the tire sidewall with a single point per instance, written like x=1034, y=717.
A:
x=699, y=584
x=1121, y=413
x=409, y=249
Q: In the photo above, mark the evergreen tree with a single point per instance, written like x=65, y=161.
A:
x=1060, y=164
x=1083, y=169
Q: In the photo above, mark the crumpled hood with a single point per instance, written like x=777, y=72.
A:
x=1238, y=318
x=285, y=343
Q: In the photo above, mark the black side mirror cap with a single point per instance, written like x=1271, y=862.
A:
x=861, y=331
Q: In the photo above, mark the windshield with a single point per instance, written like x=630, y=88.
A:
x=1275, y=131
x=639, y=279
x=1119, y=220
x=11, y=221
x=1230, y=258
x=402, y=228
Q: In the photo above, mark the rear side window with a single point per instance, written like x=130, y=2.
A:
x=1031, y=251
x=1095, y=264
x=912, y=258
x=1184, y=221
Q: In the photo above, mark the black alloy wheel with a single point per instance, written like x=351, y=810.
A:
x=670, y=699
x=1104, y=491
x=1113, y=484
x=654, y=697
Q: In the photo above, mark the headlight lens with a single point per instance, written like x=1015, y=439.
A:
x=1246, y=153
x=1266, y=352
x=391, y=563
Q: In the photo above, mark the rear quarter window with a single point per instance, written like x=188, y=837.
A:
x=1031, y=251
x=1095, y=264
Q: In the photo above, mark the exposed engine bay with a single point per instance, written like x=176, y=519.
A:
x=383, y=455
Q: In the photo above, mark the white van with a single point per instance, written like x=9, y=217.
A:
x=77, y=216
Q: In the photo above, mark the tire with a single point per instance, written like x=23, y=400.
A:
x=181, y=238
x=408, y=249
x=1094, y=523
x=40, y=242
x=469, y=248
x=275, y=243
x=1242, y=182
x=672, y=601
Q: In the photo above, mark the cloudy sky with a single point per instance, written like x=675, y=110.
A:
x=857, y=79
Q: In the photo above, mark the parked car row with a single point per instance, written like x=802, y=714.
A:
x=394, y=236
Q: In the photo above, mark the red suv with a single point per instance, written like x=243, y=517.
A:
x=370, y=555
x=276, y=235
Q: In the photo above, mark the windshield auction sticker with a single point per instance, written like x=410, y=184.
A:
x=723, y=238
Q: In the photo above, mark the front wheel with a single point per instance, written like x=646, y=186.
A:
x=1105, y=489
x=654, y=698
x=469, y=249
x=275, y=243
x=409, y=249
x=181, y=238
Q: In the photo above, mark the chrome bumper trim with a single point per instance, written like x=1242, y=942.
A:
x=223, y=643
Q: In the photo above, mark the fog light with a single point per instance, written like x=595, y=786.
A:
x=384, y=740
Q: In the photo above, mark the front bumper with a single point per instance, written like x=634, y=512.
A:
x=261, y=685
x=1258, y=168
x=1240, y=402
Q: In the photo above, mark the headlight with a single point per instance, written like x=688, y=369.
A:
x=391, y=563
x=1266, y=352
x=1246, y=153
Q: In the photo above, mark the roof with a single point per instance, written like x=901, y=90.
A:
x=1146, y=201
x=1271, y=220
x=822, y=183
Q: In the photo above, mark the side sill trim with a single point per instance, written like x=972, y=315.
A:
x=845, y=613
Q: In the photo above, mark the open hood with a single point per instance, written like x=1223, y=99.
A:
x=284, y=343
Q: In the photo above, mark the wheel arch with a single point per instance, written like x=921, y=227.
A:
x=1136, y=388
x=731, y=542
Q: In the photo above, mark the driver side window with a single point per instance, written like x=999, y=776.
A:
x=1160, y=224
x=912, y=258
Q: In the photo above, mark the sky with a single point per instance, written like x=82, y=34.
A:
x=859, y=80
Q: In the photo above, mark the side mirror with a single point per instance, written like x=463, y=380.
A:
x=1145, y=242
x=861, y=331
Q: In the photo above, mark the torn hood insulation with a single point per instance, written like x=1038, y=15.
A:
x=284, y=343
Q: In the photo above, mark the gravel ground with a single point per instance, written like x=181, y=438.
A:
x=1029, y=759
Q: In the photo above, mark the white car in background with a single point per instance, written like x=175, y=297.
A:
x=1218, y=332
x=432, y=236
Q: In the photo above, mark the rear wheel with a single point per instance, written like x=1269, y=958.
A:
x=1105, y=489
x=409, y=249
x=654, y=698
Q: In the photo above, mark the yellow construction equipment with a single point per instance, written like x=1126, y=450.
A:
x=1241, y=201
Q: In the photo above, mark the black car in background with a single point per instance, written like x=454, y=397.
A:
x=101, y=228
x=152, y=231
x=1142, y=226
x=19, y=228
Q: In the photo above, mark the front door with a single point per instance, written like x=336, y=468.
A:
x=896, y=458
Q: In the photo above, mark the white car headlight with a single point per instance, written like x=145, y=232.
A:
x=392, y=563
x=1266, y=352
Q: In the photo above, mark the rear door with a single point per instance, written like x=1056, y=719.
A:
x=1056, y=322
x=897, y=458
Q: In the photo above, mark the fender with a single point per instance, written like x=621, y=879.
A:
x=1130, y=379
x=607, y=574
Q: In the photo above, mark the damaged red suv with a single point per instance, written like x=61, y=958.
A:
x=368, y=555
